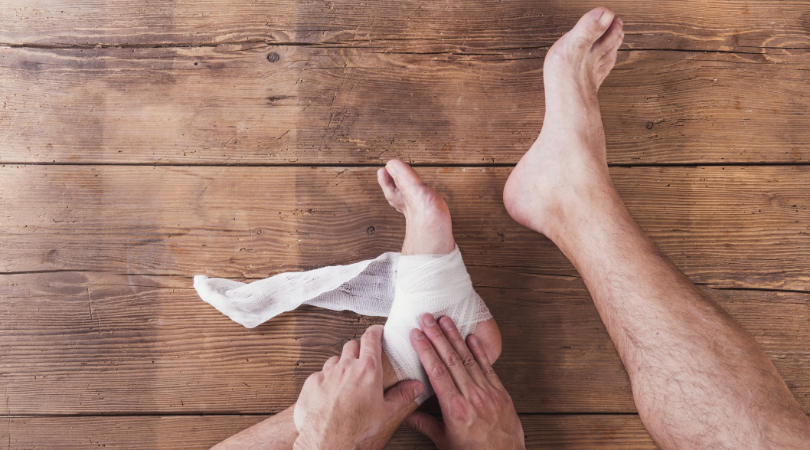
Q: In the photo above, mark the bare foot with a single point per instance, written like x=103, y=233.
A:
x=567, y=164
x=428, y=228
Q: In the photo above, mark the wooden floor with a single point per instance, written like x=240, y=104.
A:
x=144, y=142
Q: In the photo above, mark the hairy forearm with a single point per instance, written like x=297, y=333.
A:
x=275, y=433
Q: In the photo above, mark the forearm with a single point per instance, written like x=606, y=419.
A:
x=275, y=433
x=698, y=378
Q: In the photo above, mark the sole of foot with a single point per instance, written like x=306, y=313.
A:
x=567, y=164
x=428, y=228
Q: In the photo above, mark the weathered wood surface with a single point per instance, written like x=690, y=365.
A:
x=724, y=226
x=231, y=105
x=90, y=343
x=199, y=432
x=127, y=334
x=442, y=25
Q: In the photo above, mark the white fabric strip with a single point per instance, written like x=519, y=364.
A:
x=401, y=288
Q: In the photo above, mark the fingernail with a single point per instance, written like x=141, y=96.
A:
x=417, y=334
x=428, y=320
x=417, y=391
x=606, y=18
x=473, y=341
x=446, y=323
x=621, y=22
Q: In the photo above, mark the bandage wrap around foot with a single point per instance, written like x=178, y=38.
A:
x=401, y=288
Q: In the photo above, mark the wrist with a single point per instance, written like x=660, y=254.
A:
x=586, y=210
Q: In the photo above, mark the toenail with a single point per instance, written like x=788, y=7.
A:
x=606, y=18
x=428, y=320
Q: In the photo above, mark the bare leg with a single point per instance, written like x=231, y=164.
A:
x=699, y=380
x=428, y=230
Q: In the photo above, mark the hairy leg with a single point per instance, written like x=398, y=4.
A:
x=428, y=230
x=699, y=380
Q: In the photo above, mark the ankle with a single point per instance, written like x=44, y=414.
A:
x=575, y=212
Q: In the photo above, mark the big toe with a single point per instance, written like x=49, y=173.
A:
x=403, y=175
x=390, y=190
x=412, y=192
x=610, y=40
x=591, y=27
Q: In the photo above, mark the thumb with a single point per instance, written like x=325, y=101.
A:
x=402, y=394
x=428, y=425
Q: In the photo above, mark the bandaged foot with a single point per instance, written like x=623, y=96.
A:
x=428, y=277
x=439, y=286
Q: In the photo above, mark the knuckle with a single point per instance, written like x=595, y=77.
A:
x=458, y=409
x=366, y=365
x=469, y=361
x=439, y=370
x=477, y=400
x=452, y=359
x=403, y=396
x=488, y=370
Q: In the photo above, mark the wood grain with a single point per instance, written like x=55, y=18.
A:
x=442, y=25
x=104, y=320
x=90, y=343
x=199, y=432
x=314, y=105
x=724, y=226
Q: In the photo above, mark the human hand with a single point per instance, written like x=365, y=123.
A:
x=477, y=411
x=344, y=405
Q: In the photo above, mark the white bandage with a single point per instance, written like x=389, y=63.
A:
x=401, y=288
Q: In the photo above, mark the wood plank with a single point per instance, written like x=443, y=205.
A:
x=231, y=105
x=91, y=343
x=197, y=432
x=736, y=25
x=129, y=335
x=724, y=226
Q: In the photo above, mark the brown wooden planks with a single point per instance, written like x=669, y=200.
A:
x=345, y=106
x=91, y=343
x=197, y=432
x=85, y=342
x=724, y=226
x=230, y=105
x=441, y=25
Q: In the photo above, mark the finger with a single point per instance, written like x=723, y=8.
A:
x=402, y=395
x=371, y=345
x=483, y=361
x=449, y=356
x=440, y=378
x=351, y=350
x=331, y=362
x=467, y=358
x=428, y=425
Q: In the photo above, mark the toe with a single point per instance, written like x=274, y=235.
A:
x=406, y=179
x=608, y=60
x=591, y=27
x=607, y=42
x=390, y=190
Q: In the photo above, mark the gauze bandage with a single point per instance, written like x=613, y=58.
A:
x=401, y=288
